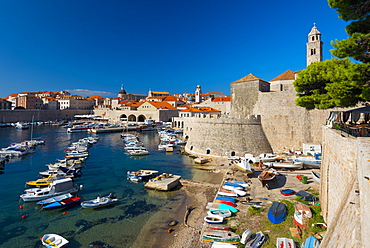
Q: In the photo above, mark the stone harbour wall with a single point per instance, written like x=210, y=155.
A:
x=26, y=115
x=225, y=136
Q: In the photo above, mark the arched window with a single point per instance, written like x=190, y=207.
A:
x=208, y=151
x=232, y=153
x=191, y=148
x=141, y=118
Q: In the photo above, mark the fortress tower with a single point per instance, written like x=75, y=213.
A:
x=314, y=46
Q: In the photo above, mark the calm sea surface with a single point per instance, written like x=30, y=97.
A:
x=105, y=172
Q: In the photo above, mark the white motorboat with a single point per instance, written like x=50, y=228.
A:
x=220, y=212
x=54, y=241
x=77, y=154
x=138, y=151
x=100, y=201
x=20, y=125
x=267, y=157
x=57, y=187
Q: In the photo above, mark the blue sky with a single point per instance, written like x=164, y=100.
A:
x=91, y=47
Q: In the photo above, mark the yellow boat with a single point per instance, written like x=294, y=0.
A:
x=42, y=182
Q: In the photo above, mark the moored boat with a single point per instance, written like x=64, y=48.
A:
x=226, y=198
x=141, y=175
x=292, y=165
x=100, y=202
x=215, y=205
x=277, y=212
x=226, y=202
x=53, y=241
x=63, y=203
x=227, y=193
x=219, y=227
x=57, y=187
x=54, y=199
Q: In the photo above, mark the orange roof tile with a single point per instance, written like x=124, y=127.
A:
x=222, y=99
x=213, y=93
x=95, y=97
x=288, y=75
x=162, y=105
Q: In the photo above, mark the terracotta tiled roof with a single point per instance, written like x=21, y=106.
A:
x=160, y=92
x=118, y=98
x=126, y=102
x=162, y=105
x=170, y=98
x=50, y=98
x=222, y=99
x=213, y=93
x=95, y=97
x=12, y=95
x=200, y=110
x=248, y=78
x=288, y=75
x=156, y=97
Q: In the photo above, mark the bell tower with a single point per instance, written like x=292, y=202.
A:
x=198, y=94
x=314, y=46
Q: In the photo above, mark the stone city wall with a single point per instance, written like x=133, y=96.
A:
x=225, y=136
x=26, y=115
x=345, y=190
x=287, y=125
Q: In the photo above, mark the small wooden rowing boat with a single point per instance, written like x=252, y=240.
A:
x=311, y=242
x=220, y=212
x=53, y=241
x=227, y=193
x=215, y=205
x=221, y=236
x=219, y=227
x=226, y=202
x=243, y=165
x=316, y=176
x=212, y=219
x=225, y=198
x=301, y=212
x=267, y=176
x=287, y=192
x=285, y=243
x=256, y=240
x=68, y=202
x=100, y=202
x=285, y=165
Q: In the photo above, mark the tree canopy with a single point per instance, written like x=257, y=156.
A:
x=340, y=82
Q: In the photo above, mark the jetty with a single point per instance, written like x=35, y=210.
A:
x=164, y=182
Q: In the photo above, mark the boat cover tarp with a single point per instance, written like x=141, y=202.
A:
x=277, y=212
x=306, y=196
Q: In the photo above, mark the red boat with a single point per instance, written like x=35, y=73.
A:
x=219, y=228
x=226, y=202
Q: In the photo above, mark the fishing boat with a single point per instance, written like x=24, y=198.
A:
x=277, y=212
x=285, y=243
x=232, y=188
x=256, y=240
x=54, y=199
x=287, y=192
x=301, y=212
x=226, y=198
x=316, y=176
x=20, y=125
x=214, y=219
x=311, y=242
x=68, y=202
x=215, y=205
x=53, y=241
x=57, y=187
x=243, y=165
x=100, y=201
x=290, y=165
x=78, y=128
x=220, y=212
x=221, y=236
x=267, y=176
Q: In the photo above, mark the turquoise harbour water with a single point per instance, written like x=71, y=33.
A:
x=105, y=172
